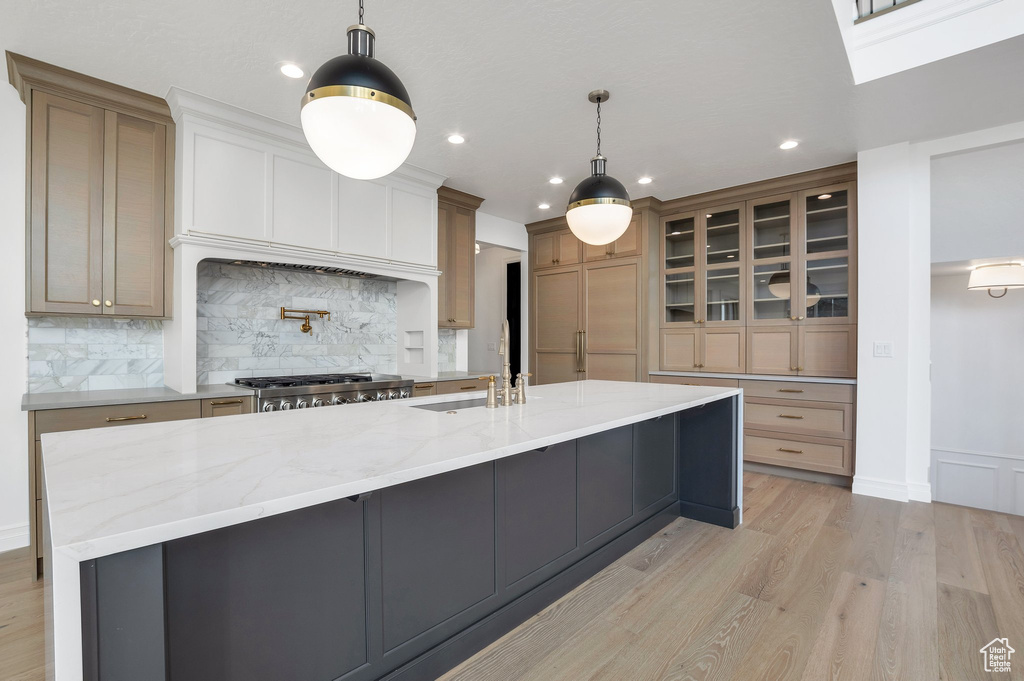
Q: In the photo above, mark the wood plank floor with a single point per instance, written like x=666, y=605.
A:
x=817, y=584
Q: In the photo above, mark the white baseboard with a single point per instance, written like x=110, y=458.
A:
x=13, y=537
x=920, y=491
x=883, y=489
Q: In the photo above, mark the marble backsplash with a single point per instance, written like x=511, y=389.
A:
x=240, y=332
x=446, y=349
x=70, y=353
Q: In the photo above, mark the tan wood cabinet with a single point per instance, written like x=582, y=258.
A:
x=779, y=266
x=557, y=325
x=424, y=389
x=459, y=386
x=456, y=258
x=612, y=319
x=554, y=249
x=100, y=171
x=226, y=406
x=629, y=244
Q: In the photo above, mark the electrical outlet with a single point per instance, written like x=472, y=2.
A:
x=492, y=347
x=883, y=349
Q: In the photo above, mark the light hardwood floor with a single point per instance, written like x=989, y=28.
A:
x=816, y=584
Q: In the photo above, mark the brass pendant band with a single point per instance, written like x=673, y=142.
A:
x=591, y=202
x=359, y=92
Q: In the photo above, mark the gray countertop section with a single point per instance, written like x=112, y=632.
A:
x=99, y=398
x=452, y=375
x=756, y=377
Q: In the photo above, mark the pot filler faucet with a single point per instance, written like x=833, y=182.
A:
x=508, y=394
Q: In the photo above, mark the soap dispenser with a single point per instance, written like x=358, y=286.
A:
x=492, y=391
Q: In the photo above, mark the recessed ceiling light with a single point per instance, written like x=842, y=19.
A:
x=789, y=144
x=645, y=180
x=543, y=206
x=456, y=139
x=825, y=196
x=556, y=180
x=292, y=71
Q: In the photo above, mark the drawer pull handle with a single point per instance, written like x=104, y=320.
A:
x=217, y=403
x=424, y=386
x=790, y=416
x=791, y=451
x=112, y=419
x=789, y=390
x=469, y=387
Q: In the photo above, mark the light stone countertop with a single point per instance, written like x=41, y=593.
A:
x=453, y=376
x=100, y=398
x=756, y=377
x=115, y=489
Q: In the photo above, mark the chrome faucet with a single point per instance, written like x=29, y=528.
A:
x=506, y=367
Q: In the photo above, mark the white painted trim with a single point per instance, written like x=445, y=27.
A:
x=882, y=489
x=919, y=491
x=13, y=537
x=911, y=18
x=969, y=452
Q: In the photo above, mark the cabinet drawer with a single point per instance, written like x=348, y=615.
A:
x=424, y=389
x=812, y=454
x=449, y=387
x=824, y=419
x=694, y=380
x=57, y=420
x=226, y=406
x=792, y=390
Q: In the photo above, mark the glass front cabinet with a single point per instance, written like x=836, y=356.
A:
x=763, y=287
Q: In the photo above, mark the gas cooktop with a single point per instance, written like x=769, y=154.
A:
x=264, y=382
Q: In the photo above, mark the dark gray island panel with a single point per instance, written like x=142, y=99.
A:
x=405, y=582
x=278, y=598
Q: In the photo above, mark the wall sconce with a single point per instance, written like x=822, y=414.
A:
x=998, y=276
x=298, y=314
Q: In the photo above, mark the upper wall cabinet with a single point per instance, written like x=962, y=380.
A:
x=100, y=178
x=250, y=178
x=456, y=258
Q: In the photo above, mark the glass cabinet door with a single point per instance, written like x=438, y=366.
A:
x=826, y=254
x=722, y=267
x=772, y=260
x=679, y=262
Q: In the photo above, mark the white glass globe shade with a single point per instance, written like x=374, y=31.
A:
x=358, y=138
x=599, y=223
x=778, y=285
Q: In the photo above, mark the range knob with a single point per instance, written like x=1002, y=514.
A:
x=318, y=402
x=301, y=404
x=269, y=407
x=340, y=400
x=364, y=397
x=394, y=395
x=285, y=405
x=405, y=393
x=382, y=395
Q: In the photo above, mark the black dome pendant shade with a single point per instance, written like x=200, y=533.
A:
x=356, y=114
x=599, y=210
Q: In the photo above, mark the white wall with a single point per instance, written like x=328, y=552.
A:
x=894, y=289
x=501, y=232
x=13, y=425
x=978, y=204
x=490, y=307
x=977, y=395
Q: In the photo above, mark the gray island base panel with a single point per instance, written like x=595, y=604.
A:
x=407, y=581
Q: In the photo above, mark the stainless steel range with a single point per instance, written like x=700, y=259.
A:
x=281, y=393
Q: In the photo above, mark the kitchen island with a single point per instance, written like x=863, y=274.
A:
x=362, y=541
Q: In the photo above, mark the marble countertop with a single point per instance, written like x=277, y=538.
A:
x=99, y=398
x=756, y=377
x=116, y=489
x=452, y=376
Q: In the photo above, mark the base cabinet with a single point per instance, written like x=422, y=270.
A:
x=404, y=582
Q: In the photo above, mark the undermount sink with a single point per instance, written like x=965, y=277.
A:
x=453, y=406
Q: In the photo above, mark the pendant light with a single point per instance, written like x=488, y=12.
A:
x=778, y=286
x=599, y=210
x=356, y=114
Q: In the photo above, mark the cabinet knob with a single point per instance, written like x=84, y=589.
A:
x=799, y=319
x=799, y=368
x=108, y=303
x=792, y=319
x=96, y=303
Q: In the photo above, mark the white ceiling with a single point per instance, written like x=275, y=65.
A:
x=702, y=92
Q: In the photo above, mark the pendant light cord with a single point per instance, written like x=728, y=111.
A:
x=598, y=125
x=360, y=12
